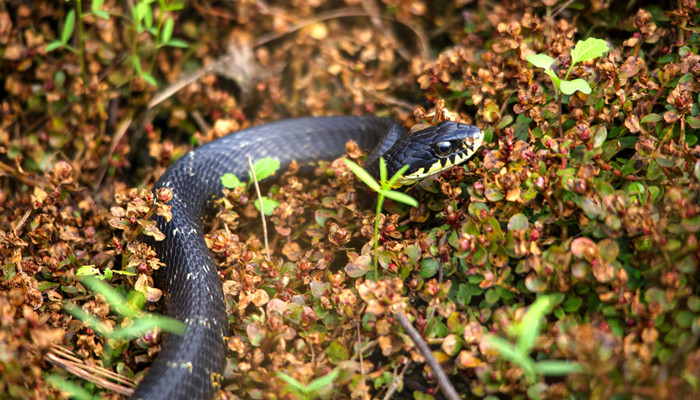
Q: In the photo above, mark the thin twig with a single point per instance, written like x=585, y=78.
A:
x=442, y=378
x=17, y=174
x=359, y=347
x=394, y=385
x=262, y=211
x=118, y=135
x=562, y=8
x=21, y=222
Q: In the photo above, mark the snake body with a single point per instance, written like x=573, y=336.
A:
x=191, y=366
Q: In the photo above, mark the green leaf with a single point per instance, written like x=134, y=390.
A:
x=529, y=327
x=540, y=60
x=149, y=78
x=491, y=296
x=557, y=367
x=363, y=175
x=101, y=14
x=116, y=301
x=636, y=189
x=336, y=352
x=230, y=181
x=601, y=133
x=694, y=122
x=429, y=267
x=400, y=197
x=167, y=30
x=382, y=170
x=136, y=63
x=511, y=353
x=144, y=324
x=505, y=121
x=147, y=14
x=75, y=391
x=397, y=175
x=325, y=380
x=588, y=49
x=572, y=304
x=291, y=381
x=651, y=118
x=174, y=5
x=68, y=26
x=53, y=46
x=518, y=222
x=177, y=43
x=89, y=270
x=570, y=87
x=96, y=5
x=264, y=168
x=269, y=205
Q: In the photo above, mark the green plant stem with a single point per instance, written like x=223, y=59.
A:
x=81, y=52
x=157, y=40
x=566, y=77
x=561, y=128
x=380, y=203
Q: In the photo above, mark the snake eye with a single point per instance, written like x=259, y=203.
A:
x=443, y=148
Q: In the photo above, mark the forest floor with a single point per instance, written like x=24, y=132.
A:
x=560, y=262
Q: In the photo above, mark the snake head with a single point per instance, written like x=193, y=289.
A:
x=433, y=150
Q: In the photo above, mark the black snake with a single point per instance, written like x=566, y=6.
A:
x=191, y=366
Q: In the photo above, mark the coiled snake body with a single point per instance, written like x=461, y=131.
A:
x=190, y=366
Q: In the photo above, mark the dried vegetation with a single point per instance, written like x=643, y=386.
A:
x=593, y=200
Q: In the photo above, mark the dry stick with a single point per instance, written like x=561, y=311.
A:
x=15, y=173
x=359, y=348
x=118, y=135
x=394, y=385
x=262, y=211
x=102, y=377
x=561, y=8
x=442, y=378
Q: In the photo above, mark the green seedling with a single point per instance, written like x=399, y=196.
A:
x=383, y=189
x=143, y=15
x=526, y=332
x=318, y=388
x=584, y=51
x=129, y=309
x=264, y=168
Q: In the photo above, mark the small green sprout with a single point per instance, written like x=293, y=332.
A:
x=128, y=309
x=264, y=168
x=143, y=15
x=318, y=388
x=383, y=189
x=91, y=270
x=519, y=353
x=585, y=50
